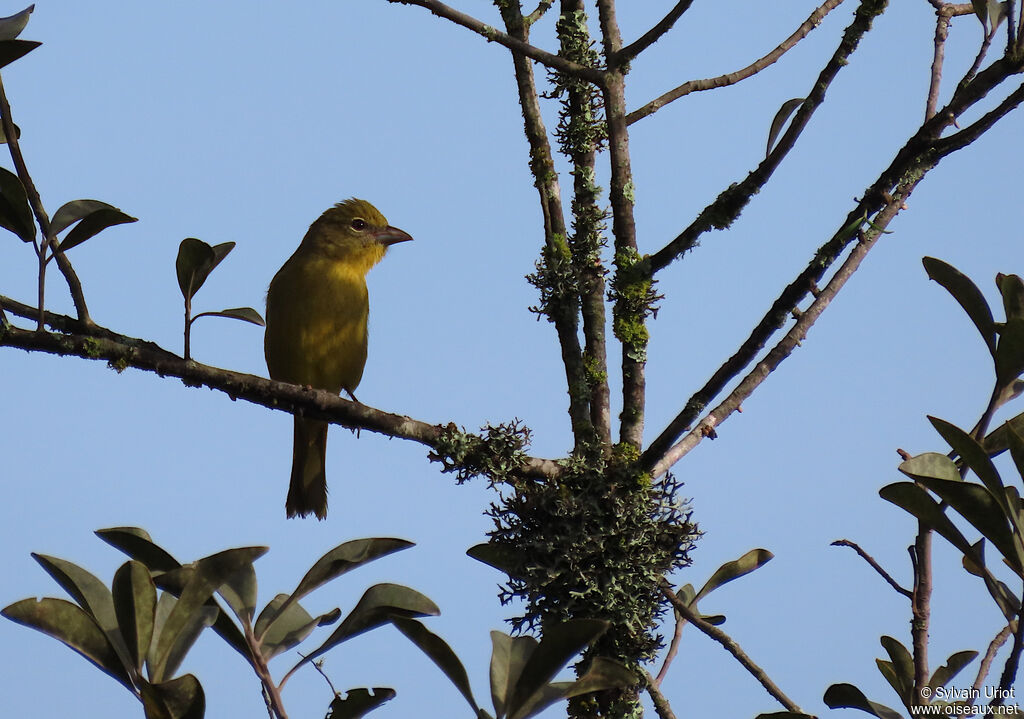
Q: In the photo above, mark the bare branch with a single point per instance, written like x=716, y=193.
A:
x=492, y=34
x=542, y=7
x=631, y=305
x=49, y=242
x=732, y=78
x=730, y=646
x=97, y=343
x=661, y=706
x=912, y=162
x=1009, y=674
x=921, y=609
x=874, y=565
x=673, y=649
x=564, y=311
x=728, y=205
x=990, y=654
x=661, y=460
x=654, y=34
x=941, y=33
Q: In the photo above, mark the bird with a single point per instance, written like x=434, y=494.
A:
x=316, y=328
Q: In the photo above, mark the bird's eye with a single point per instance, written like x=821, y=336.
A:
x=359, y=224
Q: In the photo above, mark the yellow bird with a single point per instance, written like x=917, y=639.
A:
x=317, y=309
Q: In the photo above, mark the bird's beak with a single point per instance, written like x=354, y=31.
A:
x=391, y=236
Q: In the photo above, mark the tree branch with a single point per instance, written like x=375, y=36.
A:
x=942, y=19
x=517, y=46
x=990, y=654
x=732, y=78
x=730, y=646
x=911, y=164
x=632, y=292
x=49, y=242
x=659, y=459
x=562, y=308
x=121, y=352
x=650, y=37
x=728, y=205
x=661, y=706
x=874, y=565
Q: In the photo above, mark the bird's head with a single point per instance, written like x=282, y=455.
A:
x=353, y=228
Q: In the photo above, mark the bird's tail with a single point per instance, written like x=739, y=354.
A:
x=307, y=492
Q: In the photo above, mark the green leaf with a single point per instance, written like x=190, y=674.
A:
x=847, y=696
x=175, y=630
x=15, y=214
x=291, y=627
x=247, y=314
x=508, y=657
x=240, y=593
x=377, y=606
x=560, y=643
x=180, y=698
x=981, y=10
x=920, y=504
x=440, y=653
x=944, y=674
x=338, y=561
x=11, y=50
x=12, y=25
x=92, y=217
x=965, y=292
x=602, y=674
x=135, y=606
x=91, y=594
x=976, y=504
x=1011, y=287
x=900, y=671
x=779, y=121
x=735, y=569
x=205, y=577
x=501, y=557
x=195, y=261
x=1010, y=353
x=69, y=624
x=137, y=544
x=359, y=702
x=932, y=465
x=973, y=455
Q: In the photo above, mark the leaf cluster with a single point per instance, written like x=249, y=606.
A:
x=141, y=628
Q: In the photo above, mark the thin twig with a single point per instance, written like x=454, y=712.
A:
x=990, y=654
x=661, y=706
x=126, y=352
x=542, y=7
x=921, y=152
x=673, y=648
x=938, y=56
x=492, y=34
x=732, y=78
x=874, y=565
x=728, y=205
x=662, y=461
x=49, y=242
x=1009, y=674
x=650, y=37
x=730, y=645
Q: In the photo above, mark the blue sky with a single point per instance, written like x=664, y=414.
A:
x=241, y=122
